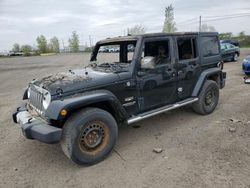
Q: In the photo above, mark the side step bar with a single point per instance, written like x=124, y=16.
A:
x=160, y=110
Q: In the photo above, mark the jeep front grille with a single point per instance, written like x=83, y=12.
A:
x=36, y=99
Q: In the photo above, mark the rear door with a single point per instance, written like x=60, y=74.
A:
x=187, y=64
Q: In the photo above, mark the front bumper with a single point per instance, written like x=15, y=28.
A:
x=34, y=128
x=246, y=68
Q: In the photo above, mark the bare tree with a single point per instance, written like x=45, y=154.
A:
x=207, y=28
x=242, y=34
x=26, y=49
x=137, y=30
x=54, y=45
x=16, y=48
x=169, y=23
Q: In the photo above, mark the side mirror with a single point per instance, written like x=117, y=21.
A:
x=148, y=62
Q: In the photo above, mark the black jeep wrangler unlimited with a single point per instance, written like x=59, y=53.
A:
x=144, y=76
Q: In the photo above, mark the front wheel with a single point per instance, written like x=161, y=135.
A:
x=89, y=136
x=235, y=57
x=208, y=98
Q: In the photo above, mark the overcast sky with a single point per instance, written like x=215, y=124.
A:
x=22, y=21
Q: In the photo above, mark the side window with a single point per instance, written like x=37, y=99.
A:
x=186, y=48
x=210, y=46
x=223, y=46
x=155, y=53
x=231, y=46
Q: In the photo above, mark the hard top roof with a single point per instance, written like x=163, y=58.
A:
x=134, y=37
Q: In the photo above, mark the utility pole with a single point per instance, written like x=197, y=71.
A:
x=63, y=45
x=90, y=41
x=200, y=24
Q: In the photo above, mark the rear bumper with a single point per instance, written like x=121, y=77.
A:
x=34, y=128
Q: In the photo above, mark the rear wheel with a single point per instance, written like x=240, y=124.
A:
x=89, y=136
x=208, y=98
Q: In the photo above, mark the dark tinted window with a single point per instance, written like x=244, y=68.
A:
x=155, y=54
x=152, y=48
x=210, y=46
x=159, y=50
x=186, y=48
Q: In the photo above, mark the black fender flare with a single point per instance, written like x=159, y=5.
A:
x=25, y=94
x=203, y=77
x=79, y=101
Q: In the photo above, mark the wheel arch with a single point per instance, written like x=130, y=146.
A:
x=214, y=74
x=102, y=99
x=237, y=52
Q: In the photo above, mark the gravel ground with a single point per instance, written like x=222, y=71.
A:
x=198, y=151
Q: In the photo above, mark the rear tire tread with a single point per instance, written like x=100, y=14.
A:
x=198, y=106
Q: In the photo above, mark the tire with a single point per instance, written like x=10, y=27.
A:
x=89, y=136
x=235, y=57
x=208, y=98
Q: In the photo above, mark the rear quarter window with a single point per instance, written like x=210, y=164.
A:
x=210, y=46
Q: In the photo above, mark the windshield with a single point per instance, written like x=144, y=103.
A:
x=117, y=55
x=223, y=46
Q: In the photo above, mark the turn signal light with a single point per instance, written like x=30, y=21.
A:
x=63, y=112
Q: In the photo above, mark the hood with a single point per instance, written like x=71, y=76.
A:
x=75, y=80
x=248, y=58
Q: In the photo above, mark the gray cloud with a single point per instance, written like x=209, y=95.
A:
x=22, y=21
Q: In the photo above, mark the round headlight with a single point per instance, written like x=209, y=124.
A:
x=46, y=100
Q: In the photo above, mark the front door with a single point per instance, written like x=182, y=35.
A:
x=156, y=76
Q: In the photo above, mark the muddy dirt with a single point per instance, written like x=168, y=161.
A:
x=197, y=151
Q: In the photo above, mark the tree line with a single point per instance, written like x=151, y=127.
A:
x=47, y=46
x=242, y=37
